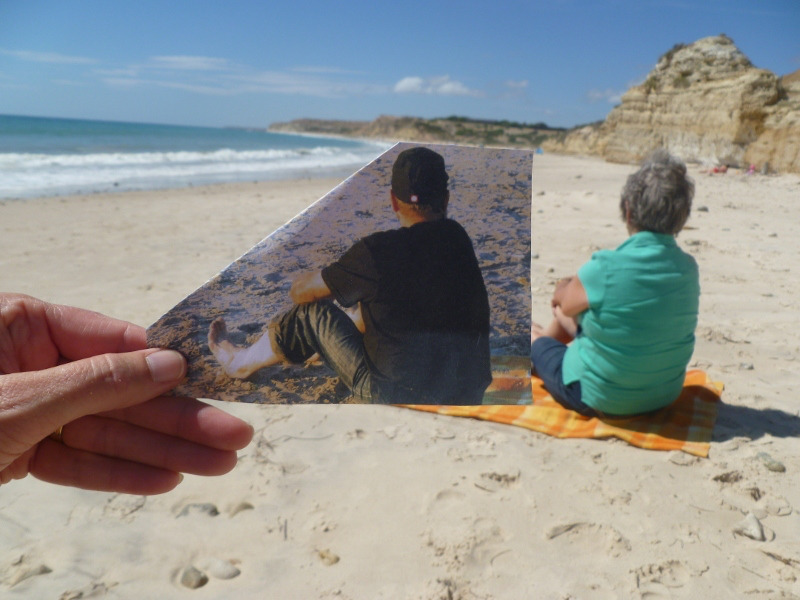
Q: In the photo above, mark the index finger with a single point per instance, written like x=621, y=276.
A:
x=35, y=334
x=79, y=333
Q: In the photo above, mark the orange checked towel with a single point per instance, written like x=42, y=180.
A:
x=684, y=425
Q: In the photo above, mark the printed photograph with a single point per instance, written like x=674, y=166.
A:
x=406, y=284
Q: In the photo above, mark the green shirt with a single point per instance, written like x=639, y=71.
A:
x=637, y=335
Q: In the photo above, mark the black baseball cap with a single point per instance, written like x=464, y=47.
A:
x=419, y=177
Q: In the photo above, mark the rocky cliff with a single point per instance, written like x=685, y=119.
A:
x=704, y=102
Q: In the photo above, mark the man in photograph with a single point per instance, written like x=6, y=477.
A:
x=421, y=335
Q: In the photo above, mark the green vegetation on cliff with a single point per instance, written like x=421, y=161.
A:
x=453, y=129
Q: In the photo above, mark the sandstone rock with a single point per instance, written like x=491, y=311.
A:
x=706, y=103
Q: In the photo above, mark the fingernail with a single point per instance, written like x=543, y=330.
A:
x=166, y=365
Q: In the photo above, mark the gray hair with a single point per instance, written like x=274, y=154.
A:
x=658, y=196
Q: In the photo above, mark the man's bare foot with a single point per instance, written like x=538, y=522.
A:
x=219, y=345
x=239, y=362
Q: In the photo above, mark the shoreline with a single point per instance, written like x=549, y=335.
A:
x=305, y=174
x=80, y=157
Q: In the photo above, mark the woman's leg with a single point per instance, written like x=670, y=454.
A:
x=547, y=358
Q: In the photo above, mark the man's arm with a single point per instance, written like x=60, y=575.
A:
x=309, y=287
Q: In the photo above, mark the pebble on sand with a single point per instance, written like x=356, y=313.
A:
x=221, y=569
x=771, y=463
x=750, y=527
x=192, y=578
x=328, y=557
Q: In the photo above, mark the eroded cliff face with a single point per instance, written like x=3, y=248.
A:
x=779, y=142
x=706, y=103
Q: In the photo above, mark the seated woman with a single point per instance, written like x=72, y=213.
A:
x=629, y=314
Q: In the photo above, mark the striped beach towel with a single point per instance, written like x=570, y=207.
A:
x=685, y=425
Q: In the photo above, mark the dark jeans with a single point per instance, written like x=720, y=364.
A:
x=321, y=327
x=547, y=358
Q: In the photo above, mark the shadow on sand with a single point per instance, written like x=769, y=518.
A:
x=742, y=421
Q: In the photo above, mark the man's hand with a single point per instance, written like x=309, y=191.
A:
x=92, y=378
x=309, y=287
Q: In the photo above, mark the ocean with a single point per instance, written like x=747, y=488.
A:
x=46, y=156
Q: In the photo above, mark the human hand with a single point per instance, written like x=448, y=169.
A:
x=93, y=378
x=309, y=287
x=356, y=316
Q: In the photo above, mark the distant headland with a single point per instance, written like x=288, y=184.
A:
x=454, y=129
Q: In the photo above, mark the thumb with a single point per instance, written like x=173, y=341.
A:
x=48, y=399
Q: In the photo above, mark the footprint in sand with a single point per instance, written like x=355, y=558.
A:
x=96, y=589
x=194, y=508
x=486, y=544
x=661, y=580
x=494, y=482
x=124, y=507
x=766, y=574
x=590, y=538
x=449, y=496
x=475, y=548
x=22, y=568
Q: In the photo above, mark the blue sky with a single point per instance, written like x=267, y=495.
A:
x=251, y=63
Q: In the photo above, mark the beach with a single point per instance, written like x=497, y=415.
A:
x=353, y=501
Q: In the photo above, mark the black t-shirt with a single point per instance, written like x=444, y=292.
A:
x=425, y=309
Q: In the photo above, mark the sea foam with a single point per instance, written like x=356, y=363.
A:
x=42, y=156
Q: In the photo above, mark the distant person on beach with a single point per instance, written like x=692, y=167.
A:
x=630, y=314
x=422, y=300
x=81, y=404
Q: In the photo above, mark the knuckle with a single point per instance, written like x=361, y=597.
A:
x=112, y=372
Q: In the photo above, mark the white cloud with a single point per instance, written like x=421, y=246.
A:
x=410, y=85
x=216, y=76
x=516, y=85
x=263, y=82
x=123, y=81
x=277, y=82
x=440, y=86
x=126, y=72
x=190, y=63
x=608, y=95
x=48, y=57
x=208, y=90
x=326, y=70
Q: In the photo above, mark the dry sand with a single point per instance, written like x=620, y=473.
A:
x=352, y=502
